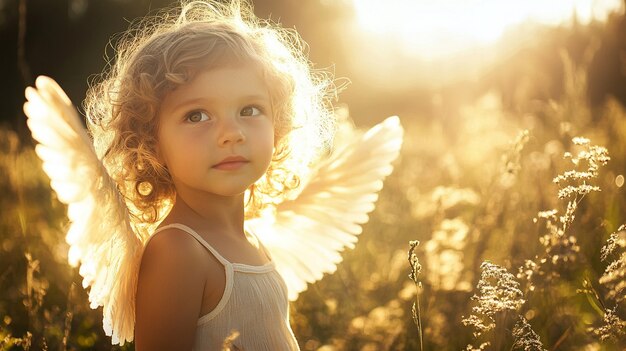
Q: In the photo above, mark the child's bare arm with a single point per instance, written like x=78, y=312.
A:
x=169, y=293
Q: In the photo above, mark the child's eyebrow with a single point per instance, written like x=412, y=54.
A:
x=187, y=102
x=197, y=100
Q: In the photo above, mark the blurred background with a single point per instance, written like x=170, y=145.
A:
x=491, y=94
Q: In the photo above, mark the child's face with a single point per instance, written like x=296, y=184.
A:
x=222, y=113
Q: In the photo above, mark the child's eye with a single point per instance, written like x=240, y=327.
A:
x=197, y=116
x=250, y=111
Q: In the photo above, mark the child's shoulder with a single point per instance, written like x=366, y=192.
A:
x=170, y=287
x=174, y=248
x=171, y=246
x=175, y=263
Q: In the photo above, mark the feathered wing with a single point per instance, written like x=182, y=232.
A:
x=100, y=235
x=306, y=235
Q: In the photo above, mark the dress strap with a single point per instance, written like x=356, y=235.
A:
x=193, y=233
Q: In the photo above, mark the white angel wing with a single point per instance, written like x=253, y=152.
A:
x=100, y=236
x=307, y=234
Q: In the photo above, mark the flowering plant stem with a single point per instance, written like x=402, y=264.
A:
x=416, y=267
x=416, y=312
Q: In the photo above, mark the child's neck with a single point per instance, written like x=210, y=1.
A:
x=218, y=214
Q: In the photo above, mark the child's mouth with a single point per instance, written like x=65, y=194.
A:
x=229, y=166
x=231, y=163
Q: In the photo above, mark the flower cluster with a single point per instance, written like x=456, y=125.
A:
x=614, y=277
x=614, y=327
x=499, y=292
x=499, y=298
x=616, y=240
x=562, y=250
x=593, y=157
x=416, y=267
x=525, y=337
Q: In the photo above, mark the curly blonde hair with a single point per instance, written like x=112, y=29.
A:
x=159, y=53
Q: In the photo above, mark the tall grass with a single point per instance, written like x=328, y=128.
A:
x=486, y=191
x=468, y=186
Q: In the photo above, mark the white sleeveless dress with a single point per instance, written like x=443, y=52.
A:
x=254, y=303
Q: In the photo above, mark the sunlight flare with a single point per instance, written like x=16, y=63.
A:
x=439, y=28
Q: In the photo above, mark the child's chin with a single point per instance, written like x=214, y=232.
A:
x=231, y=191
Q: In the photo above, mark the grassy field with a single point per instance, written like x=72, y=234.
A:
x=508, y=258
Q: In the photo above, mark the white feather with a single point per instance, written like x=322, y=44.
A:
x=308, y=233
x=100, y=236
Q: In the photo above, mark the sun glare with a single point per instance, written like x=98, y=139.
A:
x=439, y=28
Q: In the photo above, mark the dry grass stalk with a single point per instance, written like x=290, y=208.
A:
x=416, y=268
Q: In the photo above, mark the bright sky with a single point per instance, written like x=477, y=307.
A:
x=435, y=28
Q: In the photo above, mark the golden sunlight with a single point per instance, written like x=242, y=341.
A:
x=433, y=29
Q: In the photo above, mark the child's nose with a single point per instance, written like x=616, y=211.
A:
x=231, y=132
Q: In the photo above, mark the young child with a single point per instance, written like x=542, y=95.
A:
x=199, y=212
